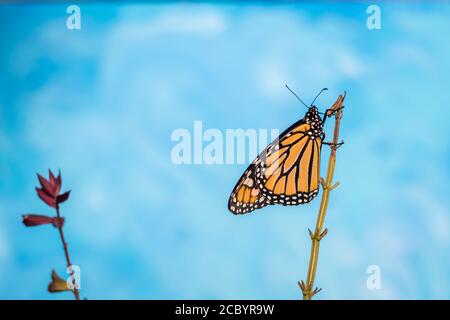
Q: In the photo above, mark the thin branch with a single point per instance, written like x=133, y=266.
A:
x=327, y=186
x=75, y=290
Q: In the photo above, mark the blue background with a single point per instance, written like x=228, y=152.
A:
x=101, y=103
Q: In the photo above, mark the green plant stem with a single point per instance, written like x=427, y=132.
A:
x=75, y=290
x=327, y=186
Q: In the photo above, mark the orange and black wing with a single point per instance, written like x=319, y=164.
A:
x=286, y=172
x=246, y=196
x=289, y=168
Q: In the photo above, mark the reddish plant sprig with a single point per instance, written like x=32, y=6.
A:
x=49, y=193
x=33, y=220
x=49, y=190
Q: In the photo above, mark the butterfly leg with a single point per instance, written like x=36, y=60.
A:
x=333, y=145
x=330, y=113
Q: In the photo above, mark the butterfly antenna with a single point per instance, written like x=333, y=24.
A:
x=324, y=89
x=296, y=96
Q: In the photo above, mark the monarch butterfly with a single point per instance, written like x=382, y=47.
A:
x=287, y=171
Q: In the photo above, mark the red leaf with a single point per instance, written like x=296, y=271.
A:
x=54, y=182
x=32, y=220
x=63, y=197
x=58, y=183
x=46, y=198
x=51, y=176
x=48, y=186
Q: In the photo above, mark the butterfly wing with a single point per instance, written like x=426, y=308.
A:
x=286, y=172
x=246, y=196
x=289, y=168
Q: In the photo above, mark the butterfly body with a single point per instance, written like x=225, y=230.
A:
x=286, y=172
